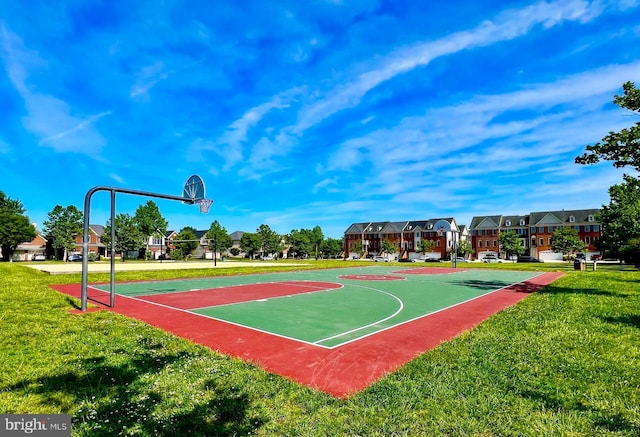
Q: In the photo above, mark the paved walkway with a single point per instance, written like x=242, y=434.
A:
x=100, y=267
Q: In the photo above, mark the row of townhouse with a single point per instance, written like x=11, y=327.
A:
x=366, y=238
x=158, y=246
x=535, y=231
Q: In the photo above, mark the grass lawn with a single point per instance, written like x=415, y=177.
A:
x=565, y=361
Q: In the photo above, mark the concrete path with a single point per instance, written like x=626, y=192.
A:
x=101, y=267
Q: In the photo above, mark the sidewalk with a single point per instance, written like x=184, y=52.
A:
x=102, y=267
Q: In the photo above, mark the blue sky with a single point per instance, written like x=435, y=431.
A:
x=326, y=113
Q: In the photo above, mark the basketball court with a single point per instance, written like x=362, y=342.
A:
x=337, y=331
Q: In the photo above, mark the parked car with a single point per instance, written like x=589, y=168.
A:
x=39, y=257
x=491, y=259
x=431, y=260
x=380, y=259
x=406, y=260
x=528, y=259
x=74, y=257
x=460, y=259
x=596, y=257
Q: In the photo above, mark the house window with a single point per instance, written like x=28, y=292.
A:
x=542, y=242
x=533, y=230
x=495, y=243
x=480, y=232
x=577, y=228
x=549, y=241
x=507, y=223
x=487, y=243
x=572, y=219
x=521, y=222
x=550, y=229
x=438, y=243
x=587, y=228
x=587, y=239
x=157, y=241
x=590, y=218
x=479, y=243
x=596, y=228
x=541, y=230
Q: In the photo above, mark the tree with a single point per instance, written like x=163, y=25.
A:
x=250, y=243
x=510, y=243
x=150, y=222
x=464, y=247
x=566, y=241
x=620, y=219
x=15, y=227
x=218, y=237
x=623, y=148
x=387, y=246
x=315, y=238
x=332, y=247
x=425, y=246
x=269, y=240
x=63, y=225
x=185, y=242
x=128, y=236
x=300, y=244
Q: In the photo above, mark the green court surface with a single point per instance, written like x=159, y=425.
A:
x=374, y=299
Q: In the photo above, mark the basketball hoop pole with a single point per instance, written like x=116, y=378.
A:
x=85, y=233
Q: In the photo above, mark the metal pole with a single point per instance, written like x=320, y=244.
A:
x=85, y=231
x=112, y=261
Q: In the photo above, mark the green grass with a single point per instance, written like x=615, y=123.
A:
x=565, y=362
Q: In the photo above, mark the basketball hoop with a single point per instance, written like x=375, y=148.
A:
x=205, y=204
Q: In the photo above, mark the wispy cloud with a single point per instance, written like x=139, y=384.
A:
x=47, y=116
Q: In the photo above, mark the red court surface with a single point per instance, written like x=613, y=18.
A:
x=342, y=371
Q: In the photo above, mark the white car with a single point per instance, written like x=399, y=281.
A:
x=491, y=259
x=380, y=259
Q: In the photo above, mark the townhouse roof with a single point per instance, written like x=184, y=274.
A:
x=572, y=217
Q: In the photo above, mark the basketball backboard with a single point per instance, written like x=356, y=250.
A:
x=194, y=189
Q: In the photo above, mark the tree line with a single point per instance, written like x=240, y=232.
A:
x=133, y=233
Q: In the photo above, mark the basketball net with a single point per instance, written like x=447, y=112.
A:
x=205, y=204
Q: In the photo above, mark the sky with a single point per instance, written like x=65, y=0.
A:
x=324, y=113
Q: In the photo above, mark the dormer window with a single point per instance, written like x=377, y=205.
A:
x=590, y=218
x=521, y=222
x=572, y=219
x=507, y=223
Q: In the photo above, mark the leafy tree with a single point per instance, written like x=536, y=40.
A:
x=425, y=246
x=623, y=148
x=356, y=247
x=464, y=247
x=316, y=237
x=566, y=241
x=269, y=240
x=150, y=222
x=64, y=224
x=15, y=227
x=218, y=236
x=250, y=243
x=510, y=243
x=621, y=219
x=300, y=244
x=332, y=246
x=128, y=235
x=387, y=246
x=186, y=242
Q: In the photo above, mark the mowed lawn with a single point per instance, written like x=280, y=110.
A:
x=563, y=362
